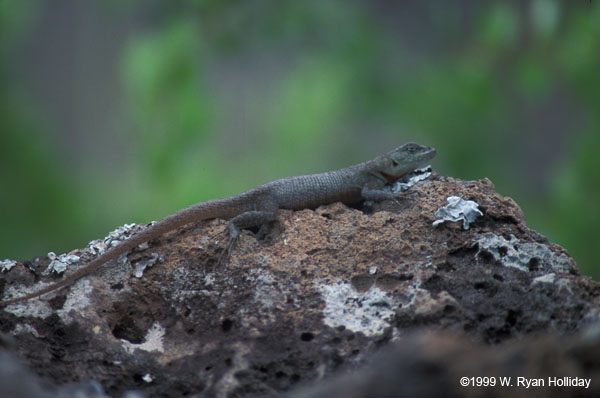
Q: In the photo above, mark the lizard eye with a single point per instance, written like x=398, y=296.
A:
x=394, y=163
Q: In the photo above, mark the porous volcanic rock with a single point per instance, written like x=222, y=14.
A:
x=298, y=307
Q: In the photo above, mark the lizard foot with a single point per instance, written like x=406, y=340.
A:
x=234, y=233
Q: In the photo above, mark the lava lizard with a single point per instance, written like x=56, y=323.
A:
x=259, y=205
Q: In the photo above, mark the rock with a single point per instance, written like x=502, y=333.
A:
x=314, y=298
x=441, y=364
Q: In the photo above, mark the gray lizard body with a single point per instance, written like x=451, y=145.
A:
x=259, y=205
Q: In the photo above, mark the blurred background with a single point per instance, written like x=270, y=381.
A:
x=125, y=111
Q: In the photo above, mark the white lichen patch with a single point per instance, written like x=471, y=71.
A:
x=523, y=256
x=59, y=264
x=548, y=278
x=24, y=328
x=458, y=209
x=266, y=291
x=369, y=312
x=113, y=239
x=32, y=308
x=564, y=285
x=153, y=341
x=77, y=300
x=410, y=179
x=141, y=265
x=6, y=265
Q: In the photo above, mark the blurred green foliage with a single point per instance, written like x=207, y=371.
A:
x=340, y=80
x=171, y=106
x=163, y=75
x=35, y=196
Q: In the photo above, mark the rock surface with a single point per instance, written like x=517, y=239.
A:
x=316, y=297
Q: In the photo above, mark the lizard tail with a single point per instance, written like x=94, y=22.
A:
x=194, y=213
x=92, y=266
x=108, y=255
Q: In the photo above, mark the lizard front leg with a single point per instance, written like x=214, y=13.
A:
x=378, y=194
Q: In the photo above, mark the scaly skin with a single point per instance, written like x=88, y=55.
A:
x=259, y=205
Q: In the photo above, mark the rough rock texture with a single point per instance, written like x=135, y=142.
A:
x=297, y=308
x=432, y=365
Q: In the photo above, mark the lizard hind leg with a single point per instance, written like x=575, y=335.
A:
x=245, y=220
x=234, y=234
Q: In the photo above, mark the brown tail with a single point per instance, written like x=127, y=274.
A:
x=92, y=266
x=197, y=212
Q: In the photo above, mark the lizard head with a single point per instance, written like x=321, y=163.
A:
x=403, y=160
